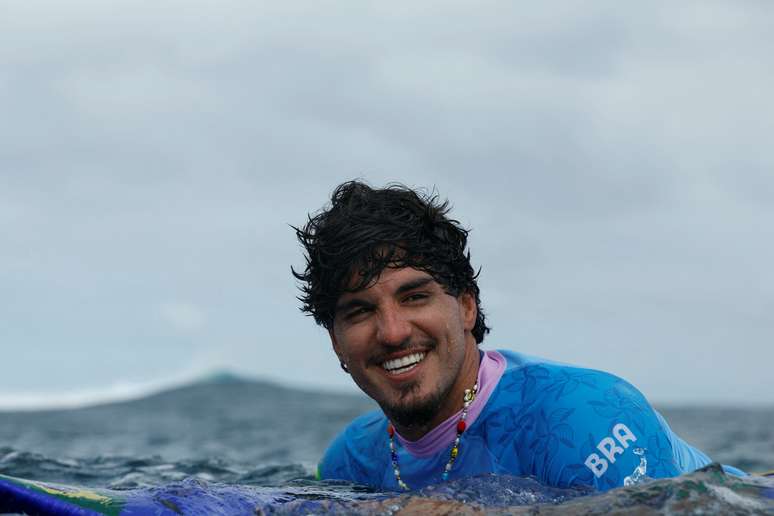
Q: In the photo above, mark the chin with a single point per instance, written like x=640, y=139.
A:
x=416, y=412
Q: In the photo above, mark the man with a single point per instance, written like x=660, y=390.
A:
x=388, y=275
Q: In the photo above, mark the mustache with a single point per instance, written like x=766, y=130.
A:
x=405, y=346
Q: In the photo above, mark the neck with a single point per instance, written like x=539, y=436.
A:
x=452, y=399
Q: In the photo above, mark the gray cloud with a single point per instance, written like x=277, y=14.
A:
x=614, y=164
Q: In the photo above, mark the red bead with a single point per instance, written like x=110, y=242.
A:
x=390, y=430
x=461, y=427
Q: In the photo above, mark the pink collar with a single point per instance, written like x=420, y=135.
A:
x=489, y=372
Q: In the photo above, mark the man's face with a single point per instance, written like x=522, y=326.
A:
x=404, y=341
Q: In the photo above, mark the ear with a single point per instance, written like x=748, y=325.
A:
x=468, y=310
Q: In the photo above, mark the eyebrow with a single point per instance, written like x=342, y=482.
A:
x=414, y=284
x=406, y=287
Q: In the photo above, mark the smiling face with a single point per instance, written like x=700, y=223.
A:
x=408, y=345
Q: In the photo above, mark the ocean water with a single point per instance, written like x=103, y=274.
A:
x=235, y=432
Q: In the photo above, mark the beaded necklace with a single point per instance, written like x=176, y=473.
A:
x=467, y=399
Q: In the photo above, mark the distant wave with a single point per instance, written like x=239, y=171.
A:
x=115, y=392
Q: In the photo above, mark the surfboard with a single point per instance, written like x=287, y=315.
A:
x=26, y=496
x=190, y=497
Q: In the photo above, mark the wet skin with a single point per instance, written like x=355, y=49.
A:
x=406, y=311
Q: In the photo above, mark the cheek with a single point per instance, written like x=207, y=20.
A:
x=352, y=342
x=455, y=324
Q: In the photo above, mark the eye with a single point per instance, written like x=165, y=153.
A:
x=417, y=296
x=357, y=312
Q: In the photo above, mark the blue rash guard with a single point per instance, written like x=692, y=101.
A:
x=564, y=425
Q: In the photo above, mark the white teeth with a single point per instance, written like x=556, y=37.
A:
x=403, y=364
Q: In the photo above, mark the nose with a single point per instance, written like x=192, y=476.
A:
x=393, y=327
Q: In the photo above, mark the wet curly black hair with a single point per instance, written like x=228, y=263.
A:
x=366, y=230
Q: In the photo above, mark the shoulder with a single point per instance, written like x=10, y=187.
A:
x=536, y=379
x=587, y=397
x=580, y=425
x=356, y=451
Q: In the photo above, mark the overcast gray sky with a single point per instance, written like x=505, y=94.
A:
x=615, y=162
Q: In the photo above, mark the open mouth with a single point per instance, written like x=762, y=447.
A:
x=403, y=364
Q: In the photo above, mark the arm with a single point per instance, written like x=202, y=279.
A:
x=598, y=430
x=333, y=465
x=357, y=454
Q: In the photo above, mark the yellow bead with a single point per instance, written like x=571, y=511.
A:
x=454, y=452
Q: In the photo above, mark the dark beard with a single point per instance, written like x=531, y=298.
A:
x=417, y=415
